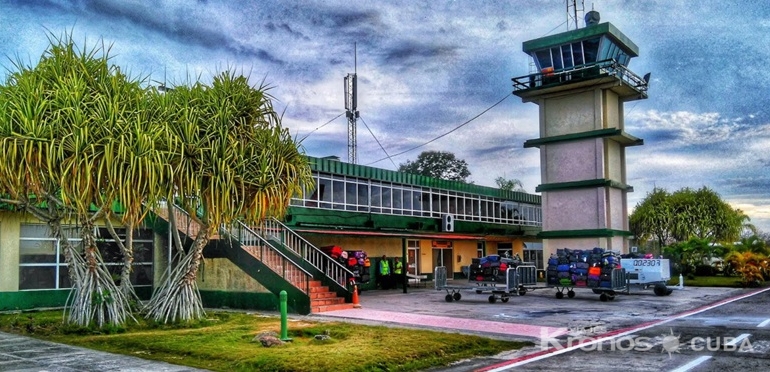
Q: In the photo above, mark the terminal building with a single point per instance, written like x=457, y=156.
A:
x=426, y=221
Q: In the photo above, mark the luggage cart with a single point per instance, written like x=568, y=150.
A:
x=617, y=284
x=518, y=281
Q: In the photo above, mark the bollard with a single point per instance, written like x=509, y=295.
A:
x=681, y=281
x=284, y=322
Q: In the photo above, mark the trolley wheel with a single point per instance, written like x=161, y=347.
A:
x=571, y=294
x=604, y=297
x=559, y=295
x=457, y=296
x=504, y=299
x=611, y=297
x=448, y=297
x=660, y=289
x=492, y=299
x=669, y=291
x=522, y=291
x=478, y=291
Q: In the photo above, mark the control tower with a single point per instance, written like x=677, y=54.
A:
x=581, y=85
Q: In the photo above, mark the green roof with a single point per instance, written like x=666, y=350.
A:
x=584, y=33
x=363, y=171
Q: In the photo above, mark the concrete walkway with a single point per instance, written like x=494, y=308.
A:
x=20, y=353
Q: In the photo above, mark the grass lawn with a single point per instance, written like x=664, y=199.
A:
x=224, y=342
x=710, y=281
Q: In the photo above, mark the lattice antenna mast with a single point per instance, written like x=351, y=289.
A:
x=351, y=109
x=575, y=12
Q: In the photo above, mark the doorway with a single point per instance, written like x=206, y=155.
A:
x=412, y=257
x=442, y=256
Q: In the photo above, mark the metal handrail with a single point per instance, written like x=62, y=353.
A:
x=608, y=67
x=332, y=268
x=249, y=239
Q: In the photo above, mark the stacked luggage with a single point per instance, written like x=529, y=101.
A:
x=356, y=261
x=590, y=268
x=492, y=268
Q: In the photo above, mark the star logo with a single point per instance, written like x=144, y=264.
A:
x=670, y=343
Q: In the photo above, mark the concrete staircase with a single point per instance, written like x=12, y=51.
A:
x=321, y=298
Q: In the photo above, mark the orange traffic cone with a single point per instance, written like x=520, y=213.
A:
x=355, y=296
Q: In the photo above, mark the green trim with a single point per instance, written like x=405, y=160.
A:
x=589, y=233
x=354, y=170
x=364, y=221
x=614, y=134
x=25, y=300
x=584, y=33
x=583, y=184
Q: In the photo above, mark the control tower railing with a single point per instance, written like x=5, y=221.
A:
x=606, y=68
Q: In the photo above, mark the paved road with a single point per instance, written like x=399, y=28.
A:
x=531, y=317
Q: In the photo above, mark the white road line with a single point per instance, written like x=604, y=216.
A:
x=764, y=324
x=517, y=362
x=692, y=364
x=738, y=339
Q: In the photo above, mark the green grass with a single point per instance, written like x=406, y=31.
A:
x=710, y=281
x=224, y=342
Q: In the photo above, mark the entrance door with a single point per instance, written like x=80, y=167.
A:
x=412, y=257
x=443, y=257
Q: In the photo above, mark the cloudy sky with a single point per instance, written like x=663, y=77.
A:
x=427, y=67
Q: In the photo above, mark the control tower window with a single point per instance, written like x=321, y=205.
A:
x=590, y=49
x=543, y=58
x=556, y=55
x=566, y=55
x=577, y=53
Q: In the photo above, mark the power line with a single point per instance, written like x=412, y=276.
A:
x=312, y=131
x=436, y=138
x=378, y=141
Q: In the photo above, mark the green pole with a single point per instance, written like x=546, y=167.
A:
x=284, y=321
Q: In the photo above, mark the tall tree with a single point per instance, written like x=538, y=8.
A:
x=512, y=184
x=62, y=112
x=230, y=158
x=437, y=164
x=686, y=214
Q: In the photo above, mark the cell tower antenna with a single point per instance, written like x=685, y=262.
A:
x=575, y=10
x=351, y=108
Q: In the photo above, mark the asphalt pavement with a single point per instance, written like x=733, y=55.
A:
x=532, y=316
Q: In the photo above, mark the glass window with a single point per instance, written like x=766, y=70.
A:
x=351, y=193
x=408, y=200
x=543, y=59
x=42, y=264
x=397, y=204
x=590, y=49
x=363, y=197
x=566, y=55
x=577, y=53
x=556, y=53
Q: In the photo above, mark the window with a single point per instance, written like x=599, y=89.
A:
x=42, y=264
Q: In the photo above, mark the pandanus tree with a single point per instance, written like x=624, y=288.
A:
x=229, y=159
x=62, y=114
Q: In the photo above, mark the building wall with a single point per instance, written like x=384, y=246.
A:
x=570, y=114
x=9, y=251
x=221, y=274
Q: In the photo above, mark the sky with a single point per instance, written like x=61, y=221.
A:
x=442, y=70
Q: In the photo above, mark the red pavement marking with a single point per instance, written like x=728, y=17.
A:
x=484, y=326
x=542, y=354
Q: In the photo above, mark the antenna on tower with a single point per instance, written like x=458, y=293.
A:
x=574, y=13
x=351, y=108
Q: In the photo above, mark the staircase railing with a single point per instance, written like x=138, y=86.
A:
x=243, y=234
x=273, y=229
x=248, y=237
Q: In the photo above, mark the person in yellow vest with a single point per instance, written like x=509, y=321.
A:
x=398, y=271
x=384, y=274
